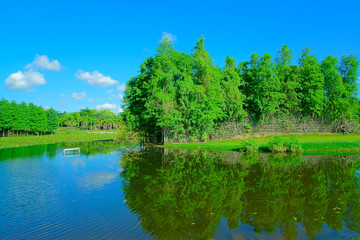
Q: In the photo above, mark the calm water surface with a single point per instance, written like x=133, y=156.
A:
x=122, y=191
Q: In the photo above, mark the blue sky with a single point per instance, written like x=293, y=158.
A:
x=78, y=54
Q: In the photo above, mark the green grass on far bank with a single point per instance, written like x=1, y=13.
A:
x=57, y=137
x=309, y=143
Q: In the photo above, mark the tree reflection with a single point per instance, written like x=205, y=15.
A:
x=181, y=194
x=50, y=150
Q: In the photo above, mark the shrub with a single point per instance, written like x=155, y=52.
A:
x=278, y=144
x=251, y=146
x=247, y=127
x=293, y=145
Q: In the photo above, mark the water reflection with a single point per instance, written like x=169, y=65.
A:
x=50, y=150
x=44, y=195
x=96, y=180
x=179, y=194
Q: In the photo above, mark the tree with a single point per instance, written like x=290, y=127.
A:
x=349, y=72
x=234, y=99
x=206, y=106
x=33, y=118
x=24, y=117
x=249, y=73
x=270, y=94
x=52, y=119
x=335, y=100
x=262, y=87
x=5, y=116
x=288, y=76
x=42, y=121
x=312, y=81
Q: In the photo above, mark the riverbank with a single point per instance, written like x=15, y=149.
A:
x=309, y=143
x=58, y=137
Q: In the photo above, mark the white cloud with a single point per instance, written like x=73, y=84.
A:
x=121, y=88
x=23, y=81
x=62, y=95
x=91, y=100
x=169, y=36
x=96, y=78
x=62, y=103
x=110, y=91
x=106, y=106
x=121, y=110
x=78, y=96
x=42, y=61
x=118, y=96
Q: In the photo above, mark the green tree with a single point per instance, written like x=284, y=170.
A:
x=349, y=72
x=312, y=82
x=52, y=120
x=34, y=123
x=270, y=94
x=24, y=117
x=249, y=73
x=43, y=126
x=234, y=99
x=5, y=116
x=206, y=106
x=335, y=101
x=288, y=76
x=262, y=87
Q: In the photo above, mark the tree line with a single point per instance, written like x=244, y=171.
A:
x=19, y=119
x=90, y=119
x=25, y=119
x=182, y=93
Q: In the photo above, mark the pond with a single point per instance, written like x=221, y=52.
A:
x=124, y=191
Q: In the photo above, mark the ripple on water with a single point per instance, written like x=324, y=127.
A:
x=64, y=198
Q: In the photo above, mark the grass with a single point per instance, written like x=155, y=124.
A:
x=309, y=143
x=57, y=137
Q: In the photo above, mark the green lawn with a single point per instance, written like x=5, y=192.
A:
x=309, y=142
x=58, y=136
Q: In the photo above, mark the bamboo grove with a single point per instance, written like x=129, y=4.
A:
x=24, y=119
x=182, y=93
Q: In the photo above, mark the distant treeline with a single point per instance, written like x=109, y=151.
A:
x=20, y=119
x=26, y=119
x=90, y=119
x=182, y=93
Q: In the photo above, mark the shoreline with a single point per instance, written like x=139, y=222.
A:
x=310, y=143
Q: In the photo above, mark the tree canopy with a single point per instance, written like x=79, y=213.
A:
x=26, y=119
x=179, y=94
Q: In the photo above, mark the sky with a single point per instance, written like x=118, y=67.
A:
x=70, y=55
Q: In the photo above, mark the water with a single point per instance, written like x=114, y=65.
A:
x=121, y=191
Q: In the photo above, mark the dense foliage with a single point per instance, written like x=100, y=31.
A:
x=179, y=94
x=20, y=119
x=90, y=119
x=26, y=119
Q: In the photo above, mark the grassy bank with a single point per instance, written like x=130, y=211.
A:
x=309, y=143
x=57, y=137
